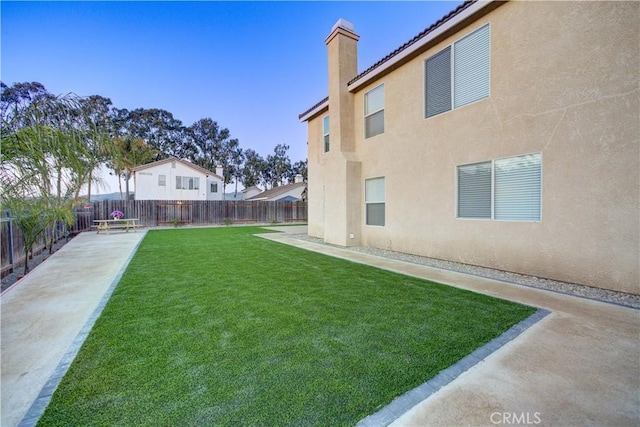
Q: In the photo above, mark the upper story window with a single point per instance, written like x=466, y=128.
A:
x=325, y=133
x=505, y=189
x=459, y=74
x=374, y=112
x=187, y=183
x=162, y=180
x=374, y=199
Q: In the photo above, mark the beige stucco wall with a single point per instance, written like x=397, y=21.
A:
x=565, y=83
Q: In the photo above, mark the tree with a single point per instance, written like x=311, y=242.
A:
x=158, y=129
x=278, y=166
x=298, y=168
x=205, y=143
x=44, y=163
x=252, y=169
x=131, y=152
x=229, y=151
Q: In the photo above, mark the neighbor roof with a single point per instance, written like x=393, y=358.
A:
x=269, y=194
x=403, y=52
x=175, y=159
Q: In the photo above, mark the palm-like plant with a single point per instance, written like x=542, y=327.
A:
x=45, y=161
x=129, y=153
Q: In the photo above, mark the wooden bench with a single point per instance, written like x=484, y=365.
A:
x=116, y=224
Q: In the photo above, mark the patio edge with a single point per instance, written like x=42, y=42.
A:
x=403, y=403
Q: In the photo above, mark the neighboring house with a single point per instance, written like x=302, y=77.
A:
x=175, y=179
x=284, y=193
x=504, y=135
x=248, y=193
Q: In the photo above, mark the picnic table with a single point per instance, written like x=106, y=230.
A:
x=112, y=224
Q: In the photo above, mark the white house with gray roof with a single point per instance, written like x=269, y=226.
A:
x=175, y=179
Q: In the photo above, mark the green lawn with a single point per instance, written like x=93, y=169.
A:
x=218, y=327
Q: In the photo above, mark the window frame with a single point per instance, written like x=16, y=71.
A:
x=452, y=66
x=187, y=182
x=494, y=194
x=162, y=180
x=326, y=132
x=382, y=202
x=212, y=188
x=372, y=113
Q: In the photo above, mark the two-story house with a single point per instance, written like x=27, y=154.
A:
x=175, y=179
x=504, y=135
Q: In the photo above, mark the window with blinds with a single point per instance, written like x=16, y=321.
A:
x=459, y=74
x=325, y=133
x=374, y=201
x=507, y=189
x=374, y=112
x=187, y=183
x=474, y=190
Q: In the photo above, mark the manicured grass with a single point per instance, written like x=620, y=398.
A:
x=218, y=327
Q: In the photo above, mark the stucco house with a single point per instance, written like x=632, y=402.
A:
x=176, y=179
x=285, y=193
x=505, y=135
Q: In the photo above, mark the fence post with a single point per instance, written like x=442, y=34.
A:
x=10, y=236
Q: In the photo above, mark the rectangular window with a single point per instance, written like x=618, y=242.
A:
x=162, y=180
x=374, y=112
x=474, y=190
x=374, y=201
x=325, y=133
x=517, y=188
x=459, y=74
x=214, y=187
x=187, y=183
x=505, y=189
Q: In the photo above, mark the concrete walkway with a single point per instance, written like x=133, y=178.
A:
x=43, y=313
x=580, y=365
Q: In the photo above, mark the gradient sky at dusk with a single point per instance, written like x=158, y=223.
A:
x=250, y=66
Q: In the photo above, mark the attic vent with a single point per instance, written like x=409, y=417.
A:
x=173, y=164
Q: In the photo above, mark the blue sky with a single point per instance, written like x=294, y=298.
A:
x=250, y=66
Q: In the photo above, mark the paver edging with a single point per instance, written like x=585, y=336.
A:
x=38, y=407
x=403, y=403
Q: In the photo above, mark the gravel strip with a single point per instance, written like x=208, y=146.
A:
x=605, y=295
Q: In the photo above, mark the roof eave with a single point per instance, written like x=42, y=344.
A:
x=318, y=109
x=418, y=47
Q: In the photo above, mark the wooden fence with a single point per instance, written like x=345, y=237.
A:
x=153, y=213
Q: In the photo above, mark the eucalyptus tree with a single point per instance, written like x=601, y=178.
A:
x=252, y=168
x=229, y=151
x=159, y=130
x=278, y=166
x=206, y=139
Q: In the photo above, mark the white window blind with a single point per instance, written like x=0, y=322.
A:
x=505, y=189
x=474, y=190
x=187, y=183
x=375, y=201
x=471, y=67
x=374, y=111
x=325, y=132
x=518, y=185
x=162, y=180
x=459, y=74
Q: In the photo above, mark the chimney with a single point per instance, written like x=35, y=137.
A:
x=298, y=179
x=342, y=49
x=220, y=171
